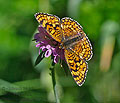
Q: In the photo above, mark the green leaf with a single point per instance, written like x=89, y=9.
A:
x=34, y=40
x=65, y=67
x=39, y=58
x=18, y=87
x=1, y=101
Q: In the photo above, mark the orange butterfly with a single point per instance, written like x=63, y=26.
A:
x=77, y=47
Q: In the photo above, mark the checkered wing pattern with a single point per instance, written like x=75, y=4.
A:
x=70, y=28
x=77, y=66
x=51, y=23
x=82, y=48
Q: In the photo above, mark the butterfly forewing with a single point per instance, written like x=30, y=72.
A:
x=69, y=26
x=77, y=66
x=51, y=23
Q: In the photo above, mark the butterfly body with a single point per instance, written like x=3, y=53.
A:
x=77, y=47
x=70, y=41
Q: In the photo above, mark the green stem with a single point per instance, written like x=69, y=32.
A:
x=54, y=84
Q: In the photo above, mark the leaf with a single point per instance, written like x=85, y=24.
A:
x=39, y=58
x=17, y=87
x=28, y=90
x=65, y=67
x=34, y=40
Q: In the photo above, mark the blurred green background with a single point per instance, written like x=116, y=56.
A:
x=21, y=82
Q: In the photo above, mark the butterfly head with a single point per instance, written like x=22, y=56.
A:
x=61, y=46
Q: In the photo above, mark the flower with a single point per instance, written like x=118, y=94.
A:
x=48, y=45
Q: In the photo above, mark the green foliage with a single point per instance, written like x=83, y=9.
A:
x=39, y=58
x=21, y=82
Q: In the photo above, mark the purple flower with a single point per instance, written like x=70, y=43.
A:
x=48, y=45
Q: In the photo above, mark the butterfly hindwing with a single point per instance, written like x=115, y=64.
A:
x=82, y=48
x=77, y=66
x=51, y=23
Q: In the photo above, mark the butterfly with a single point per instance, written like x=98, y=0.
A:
x=77, y=47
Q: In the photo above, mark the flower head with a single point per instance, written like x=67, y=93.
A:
x=48, y=45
